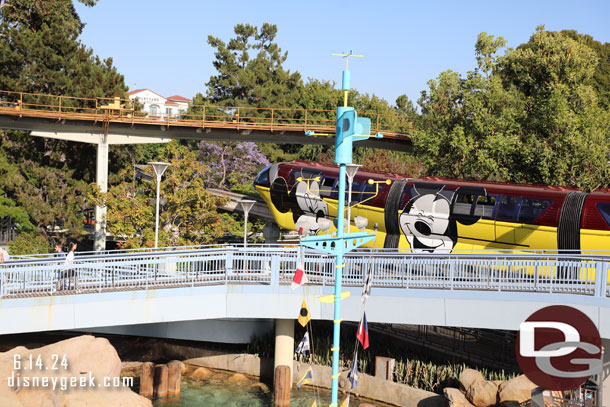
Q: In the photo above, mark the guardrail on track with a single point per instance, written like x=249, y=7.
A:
x=116, y=110
x=554, y=274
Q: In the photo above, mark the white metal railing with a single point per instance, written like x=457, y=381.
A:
x=274, y=265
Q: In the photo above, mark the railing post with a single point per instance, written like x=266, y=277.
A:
x=377, y=129
x=272, y=119
x=228, y=263
x=601, y=278
x=275, y=270
x=305, y=127
x=60, y=106
x=451, y=272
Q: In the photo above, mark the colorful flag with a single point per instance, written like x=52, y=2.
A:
x=352, y=375
x=300, y=277
x=363, y=332
x=366, y=290
x=304, y=344
x=306, y=379
x=304, y=315
x=345, y=402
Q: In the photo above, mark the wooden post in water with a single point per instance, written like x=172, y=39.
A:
x=281, y=385
x=174, y=377
x=146, y=379
x=161, y=379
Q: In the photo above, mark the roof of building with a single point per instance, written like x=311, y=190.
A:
x=133, y=92
x=169, y=102
x=178, y=98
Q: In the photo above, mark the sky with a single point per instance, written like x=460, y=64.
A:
x=162, y=45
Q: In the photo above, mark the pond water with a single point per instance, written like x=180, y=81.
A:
x=216, y=392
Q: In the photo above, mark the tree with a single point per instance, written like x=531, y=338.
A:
x=232, y=166
x=250, y=71
x=40, y=53
x=189, y=215
x=530, y=118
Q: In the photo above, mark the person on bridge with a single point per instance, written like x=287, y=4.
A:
x=71, y=274
x=61, y=278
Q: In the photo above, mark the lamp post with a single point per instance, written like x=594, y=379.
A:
x=351, y=170
x=159, y=168
x=246, y=205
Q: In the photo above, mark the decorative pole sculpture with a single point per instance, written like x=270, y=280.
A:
x=349, y=126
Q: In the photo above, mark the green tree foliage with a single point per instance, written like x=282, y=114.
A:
x=29, y=243
x=601, y=77
x=189, y=215
x=40, y=53
x=250, y=71
x=528, y=116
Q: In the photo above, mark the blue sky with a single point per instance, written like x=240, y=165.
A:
x=162, y=45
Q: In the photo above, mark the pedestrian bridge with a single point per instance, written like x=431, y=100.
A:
x=169, y=287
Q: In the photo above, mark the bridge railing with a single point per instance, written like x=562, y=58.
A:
x=234, y=117
x=275, y=266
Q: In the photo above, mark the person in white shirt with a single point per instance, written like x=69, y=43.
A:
x=71, y=273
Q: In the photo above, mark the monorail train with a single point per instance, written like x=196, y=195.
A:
x=433, y=214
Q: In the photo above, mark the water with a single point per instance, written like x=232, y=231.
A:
x=217, y=393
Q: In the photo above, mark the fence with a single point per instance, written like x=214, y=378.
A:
x=133, y=270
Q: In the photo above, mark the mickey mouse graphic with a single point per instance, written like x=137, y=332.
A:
x=428, y=219
x=303, y=199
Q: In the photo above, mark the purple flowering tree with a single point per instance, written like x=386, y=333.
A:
x=233, y=166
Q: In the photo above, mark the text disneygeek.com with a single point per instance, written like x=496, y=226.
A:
x=17, y=381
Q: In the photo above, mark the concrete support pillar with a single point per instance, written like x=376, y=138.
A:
x=174, y=377
x=284, y=343
x=102, y=181
x=160, y=381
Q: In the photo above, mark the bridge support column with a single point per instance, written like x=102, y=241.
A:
x=284, y=350
x=99, y=241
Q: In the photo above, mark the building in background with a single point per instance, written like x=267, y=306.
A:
x=157, y=106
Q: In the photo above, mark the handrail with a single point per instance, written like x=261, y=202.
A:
x=534, y=273
x=119, y=110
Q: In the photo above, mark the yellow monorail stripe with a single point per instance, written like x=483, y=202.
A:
x=333, y=349
x=338, y=321
x=340, y=267
x=336, y=376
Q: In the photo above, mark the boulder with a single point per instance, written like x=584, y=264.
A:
x=456, y=398
x=86, y=359
x=468, y=377
x=515, y=391
x=201, y=373
x=482, y=393
x=238, y=378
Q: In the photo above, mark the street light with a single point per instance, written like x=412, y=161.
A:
x=351, y=170
x=159, y=170
x=246, y=205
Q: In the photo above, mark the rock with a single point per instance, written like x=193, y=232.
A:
x=456, y=397
x=238, y=378
x=482, y=393
x=86, y=357
x=260, y=388
x=468, y=377
x=201, y=373
x=515, y=391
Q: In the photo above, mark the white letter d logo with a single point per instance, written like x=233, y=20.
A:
x=526, y=338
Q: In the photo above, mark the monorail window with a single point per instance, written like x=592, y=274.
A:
x=463, y=204
x=357, y=187
x=531, y=208
x=368, y=193
x=485, y=206
x=604, y=209
x=327, y=187
x=508, y=208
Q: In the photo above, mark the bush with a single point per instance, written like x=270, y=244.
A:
x=29, y=243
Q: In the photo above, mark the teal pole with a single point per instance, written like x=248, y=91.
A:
x=338, y=277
